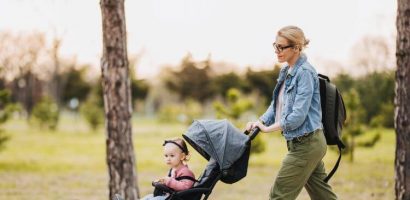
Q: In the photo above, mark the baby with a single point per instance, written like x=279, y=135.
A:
x=180, y=177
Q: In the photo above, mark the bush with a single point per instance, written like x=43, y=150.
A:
x=6, y=109
x=191, y=110
x=385, y=118
x=92, y=112
x=235, y=107
x=45, y=113
x=169, y=113
x=258, y=145
x=184, y=113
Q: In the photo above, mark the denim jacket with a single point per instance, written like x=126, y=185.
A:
x=301, y=109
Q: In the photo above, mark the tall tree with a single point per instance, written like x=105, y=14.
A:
x=192, y=81
x=402, y=99
x=117, y=101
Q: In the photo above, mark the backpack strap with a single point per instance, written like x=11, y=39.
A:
x=340, y=146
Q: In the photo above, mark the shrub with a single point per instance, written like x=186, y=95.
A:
x=6, y=109
x=45, y=113
x=235, y=107
x=92, y=112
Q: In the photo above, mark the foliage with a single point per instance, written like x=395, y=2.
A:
x=92, y=111
x=139, y=89
x=344, y=82
x=376, y=94
x=236, y=105
x=191, y=110
x=76, y=86
x=385, y=118
x=224, y=82
x=263, y=81
x=45, y=113
x=376, y=89
x=6, y=109
x=233, y=109
x=6, y=106
x=184, y=113
x=354, y=124
x=192, y=81
x=169, y=113
x=258, y=145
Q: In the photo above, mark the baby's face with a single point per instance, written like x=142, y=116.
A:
x=173, y=156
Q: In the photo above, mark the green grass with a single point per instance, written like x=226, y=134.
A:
x=70, y=164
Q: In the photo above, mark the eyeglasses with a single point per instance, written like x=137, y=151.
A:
x=279, y=48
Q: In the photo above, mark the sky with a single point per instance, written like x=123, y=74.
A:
x=239, y=32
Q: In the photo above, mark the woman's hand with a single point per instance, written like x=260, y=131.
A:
x=262, y=127
x=274, y=127
x=250, y=126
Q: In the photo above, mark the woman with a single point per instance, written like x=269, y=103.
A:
x=295, y=111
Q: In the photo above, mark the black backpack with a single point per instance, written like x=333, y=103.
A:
x=333, y=116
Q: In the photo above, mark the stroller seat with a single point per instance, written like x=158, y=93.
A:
x=209, y=175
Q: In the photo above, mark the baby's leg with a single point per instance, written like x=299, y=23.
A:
x=151, y=197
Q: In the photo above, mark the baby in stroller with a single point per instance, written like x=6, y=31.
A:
x=180, y=177
x=225, y=147
x=227, y=150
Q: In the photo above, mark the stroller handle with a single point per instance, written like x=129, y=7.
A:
x=254, y=132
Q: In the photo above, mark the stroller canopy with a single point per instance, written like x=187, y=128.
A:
x=218, y=139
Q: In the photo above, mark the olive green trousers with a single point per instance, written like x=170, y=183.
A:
x=303, y=167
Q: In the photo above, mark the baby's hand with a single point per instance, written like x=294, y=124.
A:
x=161, y=180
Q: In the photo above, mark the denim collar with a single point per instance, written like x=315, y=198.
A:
x=302, y=58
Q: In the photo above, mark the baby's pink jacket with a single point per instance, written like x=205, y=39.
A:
x=181, y=184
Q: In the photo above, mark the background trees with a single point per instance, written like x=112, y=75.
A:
x=193, y=80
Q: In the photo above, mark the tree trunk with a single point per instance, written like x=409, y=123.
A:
x=402, y=99
x=55, y=85
x=117, y=102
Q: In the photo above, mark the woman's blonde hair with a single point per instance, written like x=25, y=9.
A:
x=295, y=36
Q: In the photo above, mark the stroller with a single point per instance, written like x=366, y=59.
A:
x=227, y=151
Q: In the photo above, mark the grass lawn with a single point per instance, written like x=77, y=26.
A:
x=70, y=164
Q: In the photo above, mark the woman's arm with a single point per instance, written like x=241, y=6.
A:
x=268, y=117
x=272, y=128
